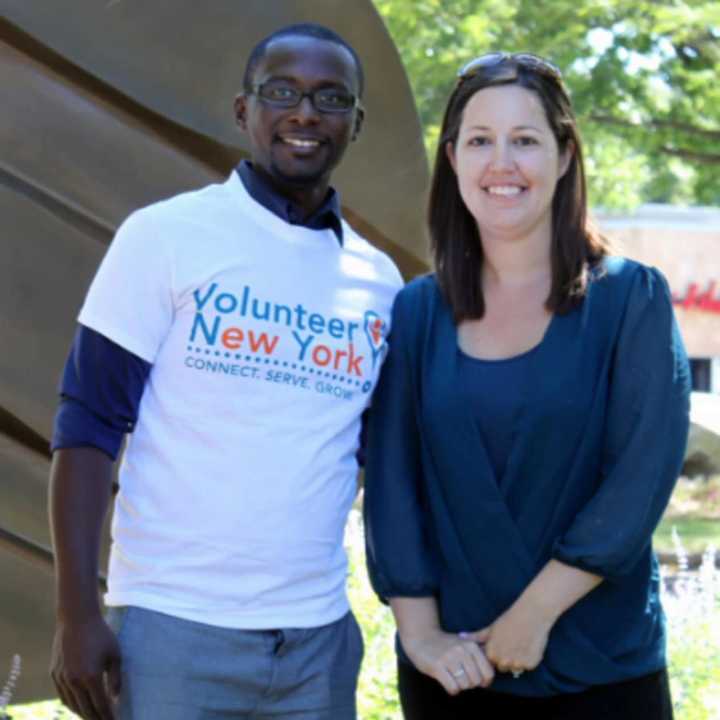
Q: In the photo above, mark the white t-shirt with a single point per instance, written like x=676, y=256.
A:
x=266, y=340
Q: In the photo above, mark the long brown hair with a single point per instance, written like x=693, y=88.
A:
x=456, y=245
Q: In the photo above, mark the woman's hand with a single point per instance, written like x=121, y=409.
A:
x=457, y=663
x=516, y=641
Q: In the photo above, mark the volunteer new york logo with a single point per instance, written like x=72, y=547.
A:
x=375, y=330
x=253, y=338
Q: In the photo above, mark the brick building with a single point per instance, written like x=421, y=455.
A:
x=684, y=243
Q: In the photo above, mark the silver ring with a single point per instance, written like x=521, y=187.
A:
x=458, y=673
x=517, y=673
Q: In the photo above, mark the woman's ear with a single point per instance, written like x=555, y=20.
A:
x=450, y=152
x=565, y=158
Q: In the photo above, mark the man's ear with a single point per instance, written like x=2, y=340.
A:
x=240, y=106
x=450, y=152
x=359, y=120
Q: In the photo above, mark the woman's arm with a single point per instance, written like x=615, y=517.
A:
x=646, y=428
x=516, y=640
x=645, y=436
x=457, y=663
x=400, y=558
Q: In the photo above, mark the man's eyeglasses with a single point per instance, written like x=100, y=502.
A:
x=494, y=59
x=324, y=100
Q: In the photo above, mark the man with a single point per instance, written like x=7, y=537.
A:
x=236, y=332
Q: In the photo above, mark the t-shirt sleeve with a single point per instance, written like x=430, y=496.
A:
x=130, y=300
x=399, y=561
x=645, y=436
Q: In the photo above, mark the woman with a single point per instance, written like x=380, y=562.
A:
x=527, y=431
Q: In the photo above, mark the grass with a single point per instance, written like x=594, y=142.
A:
x=695, y=498
x=696, y=533
x=694, y=511
x=50, y=710
x=693, y=614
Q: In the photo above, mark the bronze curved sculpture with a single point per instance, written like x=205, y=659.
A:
x=109, y=106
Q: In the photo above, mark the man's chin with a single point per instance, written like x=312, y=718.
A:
x=299, y=177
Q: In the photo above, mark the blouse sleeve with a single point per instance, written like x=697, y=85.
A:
x=647, y=425
x=399, y=562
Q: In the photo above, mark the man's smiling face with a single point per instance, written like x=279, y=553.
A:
x=299, y=147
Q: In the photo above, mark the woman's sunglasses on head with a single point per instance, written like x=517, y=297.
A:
x=495, y=59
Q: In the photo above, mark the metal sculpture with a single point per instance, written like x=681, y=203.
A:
x=108, y=106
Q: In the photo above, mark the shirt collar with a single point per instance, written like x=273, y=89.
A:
x=327, y=216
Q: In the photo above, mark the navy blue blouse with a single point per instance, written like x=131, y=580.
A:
x=495, y=411
x=596, y=451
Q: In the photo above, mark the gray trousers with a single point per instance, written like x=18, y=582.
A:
x=175, y=669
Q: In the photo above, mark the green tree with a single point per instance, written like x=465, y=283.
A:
x=643, y=78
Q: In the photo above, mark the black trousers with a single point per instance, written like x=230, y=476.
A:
x=644, y=698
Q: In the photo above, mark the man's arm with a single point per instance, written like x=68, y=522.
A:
x=124, y=320
x=85, y=663
x=101, y=387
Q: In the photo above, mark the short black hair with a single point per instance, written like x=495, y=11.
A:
x=311, y=30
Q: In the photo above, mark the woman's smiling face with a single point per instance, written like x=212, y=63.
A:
x=507, y=162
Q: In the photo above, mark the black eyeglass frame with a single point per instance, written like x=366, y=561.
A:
x=255, y=89
x=493, y=59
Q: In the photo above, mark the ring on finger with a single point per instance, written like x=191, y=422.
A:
x=457, y=673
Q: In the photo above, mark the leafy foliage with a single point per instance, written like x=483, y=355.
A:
x=693, y=608
x=377, y=697
x=642, y=77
